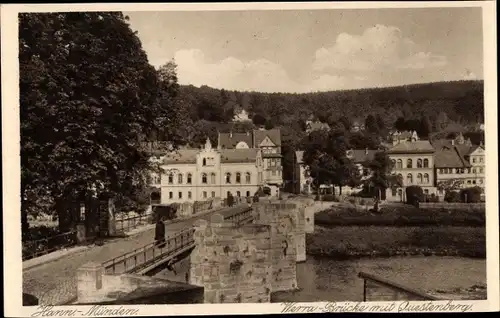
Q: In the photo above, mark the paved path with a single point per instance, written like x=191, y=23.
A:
x=55, y=282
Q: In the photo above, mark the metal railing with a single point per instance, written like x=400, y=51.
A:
x=240, y=217
x=150, y=253
x=35, y=248
x=129, y=223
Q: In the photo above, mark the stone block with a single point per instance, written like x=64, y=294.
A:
x=89, y=282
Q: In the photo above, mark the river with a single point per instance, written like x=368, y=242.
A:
x=324, y=279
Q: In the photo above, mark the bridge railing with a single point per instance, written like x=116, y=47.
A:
x=240, y=217
x=143, y=256
x=377, y=288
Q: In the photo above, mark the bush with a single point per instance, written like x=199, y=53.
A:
x=433, y=198
x=471, y=195
x=165, y=212
x=414, y=195
x=452, y=196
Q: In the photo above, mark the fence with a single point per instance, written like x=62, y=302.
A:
x=376, y=288
x=148, y=254
x=241, y=217
x=129, y=223
x=451, y=205
x=35, y=248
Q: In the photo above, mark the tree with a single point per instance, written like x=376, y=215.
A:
x=380, y=122
x=259, y=120
x=88, y=94
x=425, y=127
x=400, y=124
x=371, y=124
x=382, y=177
x=414, y=195
x=471, y=195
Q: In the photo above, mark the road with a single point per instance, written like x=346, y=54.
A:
x=55, y=282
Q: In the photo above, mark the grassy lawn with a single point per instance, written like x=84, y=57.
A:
x=400, y=216
x=360, y=241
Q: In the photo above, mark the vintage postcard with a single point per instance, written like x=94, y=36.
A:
x=185, y=159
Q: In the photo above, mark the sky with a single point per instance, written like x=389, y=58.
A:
x=314, y=50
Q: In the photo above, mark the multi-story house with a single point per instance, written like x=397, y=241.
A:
x=459, y=164
x=199, y=174
x=413, y=161
x=316, y=125
x=269, y=141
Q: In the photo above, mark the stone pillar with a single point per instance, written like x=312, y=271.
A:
x=89, y=282
x=233, y=264
x=282, y=217
x=111, y=218
x=300, y=234
x=81, y=232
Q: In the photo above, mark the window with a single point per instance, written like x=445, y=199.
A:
x=204, y=161
x=409, y=163
x=481, y=159
x=213, y=194
x=409, y=177
x=238, y=177
x=228, y=194
x=419, y=178
x=248, y=178
x=481, y=181
x=179, y=178
x=228, y=177
x=419, y=163
x=273, y=162
x=204, y=178
x=426, y=163
x=189, y=195
x=273, y=172
x=238, y=193
x=180, y=195
x=212, y=178
x=170, y=178
x=426, y=191
x=468, y=170
x=469, y=182
x=473, y=181
x=400, y=193
x=394, y=192
x=170, y=195
x=393, y=163
x=481, y=170
x=248, y=193
x=426, y=178
x=473, y=170
x=474, y=160
x=204, y=194
x=400, y=164
x=189, y=178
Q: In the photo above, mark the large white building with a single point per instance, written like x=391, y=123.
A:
x=199, y=174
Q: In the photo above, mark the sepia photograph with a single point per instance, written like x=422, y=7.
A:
x=280, y=156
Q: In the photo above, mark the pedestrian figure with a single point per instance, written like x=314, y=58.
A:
x=160, y=233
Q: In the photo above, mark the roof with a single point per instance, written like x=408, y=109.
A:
x=418, y=146
x=238, y=155
x=361, y=155
x=230, y=140
x=464, y=149
x=449, y=158
x=181, y=156
x=273, y=134
x=299, y=155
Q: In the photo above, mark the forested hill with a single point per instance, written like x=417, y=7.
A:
x=462, y=101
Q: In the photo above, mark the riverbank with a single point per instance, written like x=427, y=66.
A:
x=345, y=242
x=401, y=215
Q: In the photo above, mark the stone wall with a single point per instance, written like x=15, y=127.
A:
x=233, y=264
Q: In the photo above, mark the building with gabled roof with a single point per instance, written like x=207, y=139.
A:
x=200, y=174
x=267, y=140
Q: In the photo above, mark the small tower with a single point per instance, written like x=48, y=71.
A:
x=208, y=145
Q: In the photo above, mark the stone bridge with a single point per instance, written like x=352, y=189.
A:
x=239, y=256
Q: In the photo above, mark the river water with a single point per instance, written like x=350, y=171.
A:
x=324, y=279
